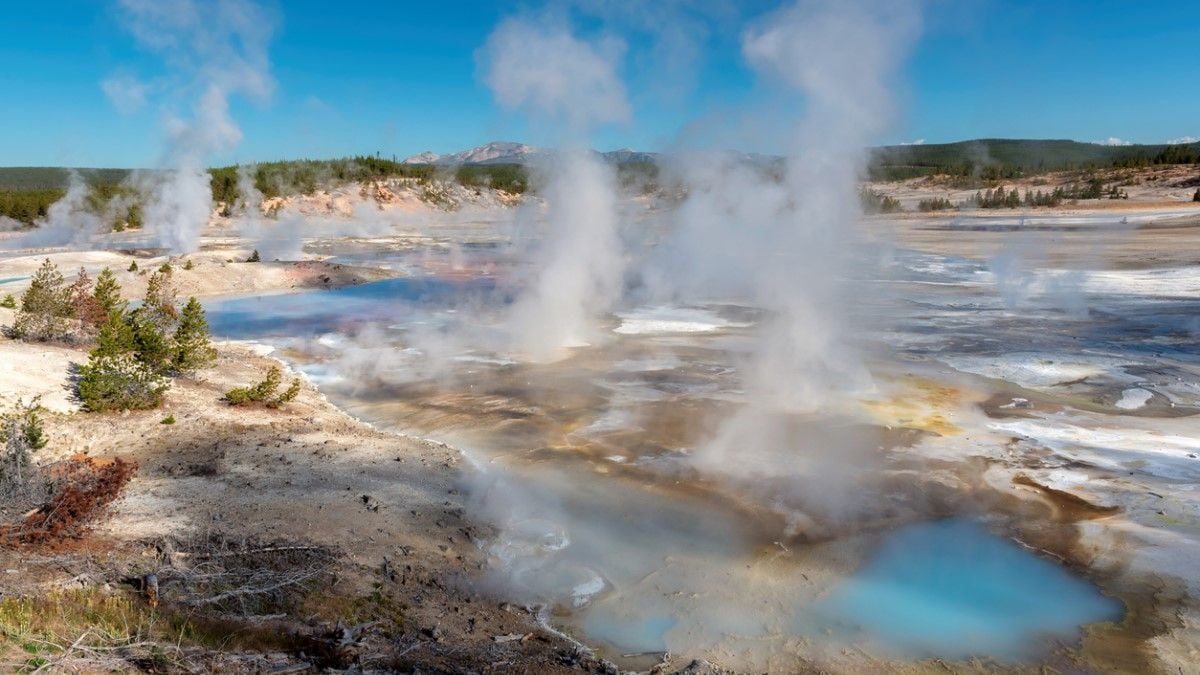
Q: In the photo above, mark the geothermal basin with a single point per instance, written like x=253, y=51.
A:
x=1003, y=425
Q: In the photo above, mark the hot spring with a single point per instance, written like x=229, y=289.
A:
x=583, y=467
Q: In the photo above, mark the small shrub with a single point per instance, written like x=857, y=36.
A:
x=120, y=383
x=265, y=391
x=9, y=302
x=133, y=266
x=254, y=257
x=22, y=434
x=288, y=394
x=875, y=202
x=187, y=265
x=166, y=268
x=169, y=419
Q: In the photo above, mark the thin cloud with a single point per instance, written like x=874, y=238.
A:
x=126, y=93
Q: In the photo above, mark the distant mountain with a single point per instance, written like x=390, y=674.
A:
x=423, y=158
x=507, y=152
x=496, y=152
x=626, y=156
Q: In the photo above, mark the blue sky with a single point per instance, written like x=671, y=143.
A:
x=398, y=78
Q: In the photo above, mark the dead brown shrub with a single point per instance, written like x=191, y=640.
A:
x=83, y=489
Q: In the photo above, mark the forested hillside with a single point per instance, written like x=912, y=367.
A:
x=997, y=159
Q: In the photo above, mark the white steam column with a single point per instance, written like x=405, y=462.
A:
x=804, y=368
x=556, y=78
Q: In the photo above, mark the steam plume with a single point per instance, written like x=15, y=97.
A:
x=212, y=52
x=546, y=71
x=839, y=56
x=68, y=222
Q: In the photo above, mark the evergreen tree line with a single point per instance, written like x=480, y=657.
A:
x=1172, y=154
x=508, y=177
x=935, y=204
x=135, y=352
x=1011, y=199
x=1010, y=159
x=26, y=206
x=1000, y=199
x=278, y=179
x=117, y=202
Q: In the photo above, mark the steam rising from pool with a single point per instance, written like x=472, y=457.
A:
x=540, y=66
x=798, y=250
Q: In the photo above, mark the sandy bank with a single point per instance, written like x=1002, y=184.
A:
x=212, y=273
x=307, y=474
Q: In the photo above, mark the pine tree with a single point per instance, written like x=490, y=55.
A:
x=120, y=383
x=133, y=217
x=151, y=344
x=107, y=292
x=159, y=304
x=83, y=304
x=115, y=338
x=46, y=309
x=193, y=344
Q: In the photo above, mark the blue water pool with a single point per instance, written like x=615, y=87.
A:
x=630, y=633
x=951, y=589
x=310, y=313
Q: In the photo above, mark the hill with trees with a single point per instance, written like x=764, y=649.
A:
x=26, y=193
x=999, y=159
